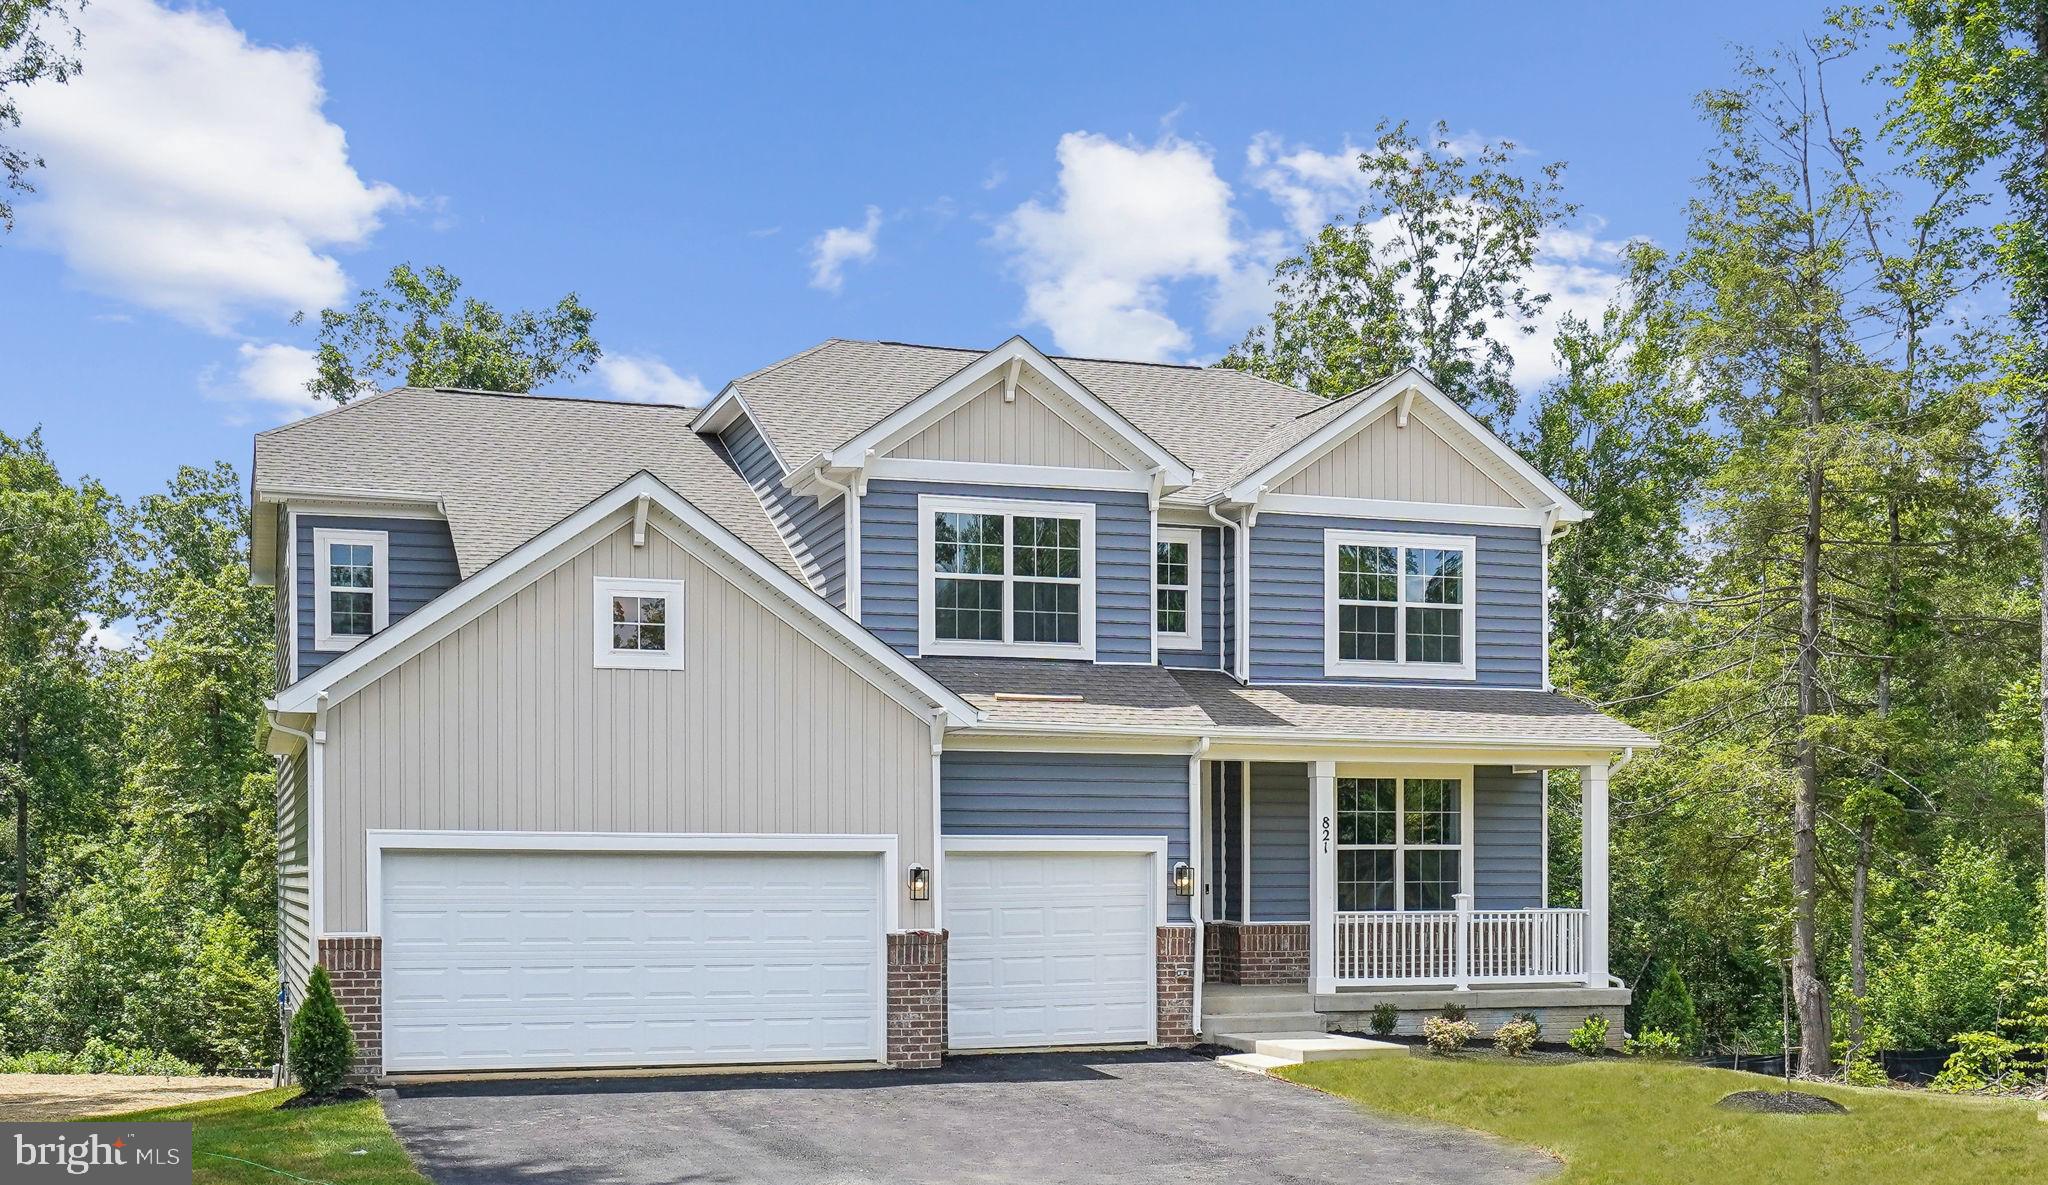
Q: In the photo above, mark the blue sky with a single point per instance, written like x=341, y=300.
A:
x=728, y=184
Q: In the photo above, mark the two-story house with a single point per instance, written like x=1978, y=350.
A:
x=906, y=700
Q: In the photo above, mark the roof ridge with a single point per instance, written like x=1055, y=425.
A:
x=796, y=357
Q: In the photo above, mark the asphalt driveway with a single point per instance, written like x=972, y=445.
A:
x=1122, y=1117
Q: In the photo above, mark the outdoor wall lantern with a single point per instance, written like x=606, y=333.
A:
x=920, y=883
x=1183, y=879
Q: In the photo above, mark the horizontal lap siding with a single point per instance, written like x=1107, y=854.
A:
x=1212, y=599
x=1123, y=562
x=1287, y=597
x=507, y=725
x=1507, y=839
x=1280, y=854
x=816, y=530
x=1068, y=794
x=421, y=555
x=294, y=926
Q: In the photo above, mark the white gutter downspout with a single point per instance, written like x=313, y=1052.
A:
x=938, y=833
x=283, y=1068
x=1550, y=513
x=1232, y=665
x=316, y=847
x=1194, y=847
x=851, y=597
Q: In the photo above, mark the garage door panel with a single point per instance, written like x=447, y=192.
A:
x=1049, y=948
x=532, y=960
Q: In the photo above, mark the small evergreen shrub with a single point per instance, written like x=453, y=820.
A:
x=1516, y=1037
x=1654, y=1043
x=322, y=1047
x=1670, y=1010
x=1385, y=1018
x=1590, y=1038
x=1981, y=1061
x=1453, y=1012
x=1446, y=1036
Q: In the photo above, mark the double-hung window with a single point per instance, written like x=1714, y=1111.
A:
x=1400, y=843
x=1004, y=577
x=351, y=586
x=639, y=623
x=1177, y=588
x=1398, y=605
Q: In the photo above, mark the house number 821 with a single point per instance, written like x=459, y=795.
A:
x=1326, y=833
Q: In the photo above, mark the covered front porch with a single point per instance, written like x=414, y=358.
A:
x=1401, y=879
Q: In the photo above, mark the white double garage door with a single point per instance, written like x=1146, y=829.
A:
x=498, y=958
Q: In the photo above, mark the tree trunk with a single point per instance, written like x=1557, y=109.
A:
x=1808, y=992
x=1859, y=979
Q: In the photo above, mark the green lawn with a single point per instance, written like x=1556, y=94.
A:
x=318, y=1144
x=1640, y=1123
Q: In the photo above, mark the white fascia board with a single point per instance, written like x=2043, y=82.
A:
x=976, y=472
x=497, y=582
x=917, y=412
x=1421, y=512
x=1366, y=410
x=730, y=407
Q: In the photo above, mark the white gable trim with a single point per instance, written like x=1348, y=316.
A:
x=969, y=381
x=778, y=591
x=726, y=410
x=1478, y=445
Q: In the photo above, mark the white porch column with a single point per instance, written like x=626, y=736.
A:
x=1593, y=866
x=1322, y=906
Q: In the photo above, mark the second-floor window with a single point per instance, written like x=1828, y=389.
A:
x=351, y=587
x=1177, y=588
x=1004, y=577
x=639, y=623
x=1398, y=605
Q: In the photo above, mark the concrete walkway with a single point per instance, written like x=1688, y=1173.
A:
x=1056, y=1118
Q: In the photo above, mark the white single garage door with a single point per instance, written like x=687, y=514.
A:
x=1049, y=948
x=527, y=960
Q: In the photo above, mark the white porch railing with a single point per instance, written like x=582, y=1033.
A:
x=1460, y=947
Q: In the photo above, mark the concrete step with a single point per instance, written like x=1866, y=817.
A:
x=1230, y=999
x=1254, y=1063
x=1299, y=1047
x=1261, y=1022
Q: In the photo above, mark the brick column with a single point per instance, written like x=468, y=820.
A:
x=1177, y=985
x=356, y=968
x=917, y=999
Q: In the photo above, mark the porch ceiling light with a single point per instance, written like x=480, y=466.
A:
x=920, y=883
x=1183, y=879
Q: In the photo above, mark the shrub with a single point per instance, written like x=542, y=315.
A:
x=1531, y=1018
x=1670, y=1010
x=1865, y=1070
x=1654, y=1043
x=98, y=1057
x=322, y=1047
x=1446, y=1036
x=1590, y=1038
x=1385, y=1019
x=1453, y=1012
x=1981, y=1060
x=1516, y=1037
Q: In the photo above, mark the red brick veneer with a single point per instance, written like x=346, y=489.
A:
x=1256, y=952
x=1177, y=985
x=356, y=968
x=917, y=999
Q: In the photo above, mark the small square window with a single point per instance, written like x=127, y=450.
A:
x=350, y=598
x=639, y=624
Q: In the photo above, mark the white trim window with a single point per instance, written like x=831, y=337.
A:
x=1398, y=605
x=1003, y=577
x=1177, y=588
x=638, y=624
x=1401, y=843
x=351, y=586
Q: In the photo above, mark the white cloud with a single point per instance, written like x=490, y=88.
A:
x=193, y=172
x=842, y=245
x=1130, y=220
x=649, y=380
x=1310, y=187
x=276, y=374
x=107, y=635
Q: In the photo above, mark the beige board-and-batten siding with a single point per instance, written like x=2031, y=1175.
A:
x=1023, y=431
x=507, y=725
x=1411, y=464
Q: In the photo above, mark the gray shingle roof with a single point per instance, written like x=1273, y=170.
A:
x=508, y=467
x=1155, y=698
x=1208, y=417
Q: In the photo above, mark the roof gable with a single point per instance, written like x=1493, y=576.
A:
x=1387, y=460
x=1007, y=423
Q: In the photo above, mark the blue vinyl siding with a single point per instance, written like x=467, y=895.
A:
x=1280, y=842
x=817, y=529
x=1069, y=794
x=1287, y=598
x=1507, y=839
x=1123, y=562
x=421, y=557
x=1212, y=598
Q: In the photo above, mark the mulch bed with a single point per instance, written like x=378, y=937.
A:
x=1781, y=1102
x=347, y=1094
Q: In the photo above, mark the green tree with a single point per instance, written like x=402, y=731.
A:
x=1433, y=270
x=323, y=1049
x=1670, y=1010
x=38, y=43
x=421, y=330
